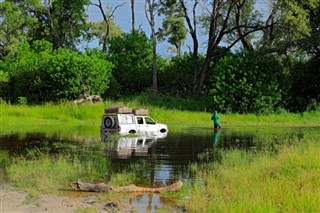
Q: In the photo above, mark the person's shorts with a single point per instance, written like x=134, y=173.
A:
x=216, y=126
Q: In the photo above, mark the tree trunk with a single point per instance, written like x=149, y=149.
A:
x=133, y=16
x=151, y=20
x=201, y=77
x=246, y=43
x=154, y=63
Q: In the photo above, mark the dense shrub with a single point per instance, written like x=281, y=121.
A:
x=177, y=78
x=246, y=82
x=305, y=90
x=132, y=56
x=41, y=74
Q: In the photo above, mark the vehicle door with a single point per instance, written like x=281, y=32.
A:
x=142, y=127
x=150, y=124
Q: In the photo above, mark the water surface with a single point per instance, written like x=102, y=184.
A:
x=159, y=161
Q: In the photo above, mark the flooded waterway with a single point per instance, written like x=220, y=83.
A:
x=159, y=160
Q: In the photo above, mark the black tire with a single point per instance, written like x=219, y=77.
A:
x=109, y=122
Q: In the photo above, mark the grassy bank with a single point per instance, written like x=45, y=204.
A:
x=261, y=182
x=244, y=181
x=85, y=119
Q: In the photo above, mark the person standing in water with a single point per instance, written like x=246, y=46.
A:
x=215, y=117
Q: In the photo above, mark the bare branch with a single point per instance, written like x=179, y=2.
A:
x=107, y=20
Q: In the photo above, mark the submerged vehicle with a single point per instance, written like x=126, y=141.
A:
x=124, y=120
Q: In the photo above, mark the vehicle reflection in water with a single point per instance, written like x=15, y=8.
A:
x=159, y=160
x=130, y=146
x=142, y=147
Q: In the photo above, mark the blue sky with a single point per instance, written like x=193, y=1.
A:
x=122, y=17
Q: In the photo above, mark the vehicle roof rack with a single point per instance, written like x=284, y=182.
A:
x=126, y=110
x=116, y=109
x=140, y=112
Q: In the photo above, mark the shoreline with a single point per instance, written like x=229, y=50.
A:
x=20, y=202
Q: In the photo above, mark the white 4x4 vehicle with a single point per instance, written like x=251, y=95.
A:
x=124, y=120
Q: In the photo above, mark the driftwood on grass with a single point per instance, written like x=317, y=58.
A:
x=102, y=187
x=90, y=98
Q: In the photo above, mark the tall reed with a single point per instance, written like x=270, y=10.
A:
x=59, y=117
x=261, y=182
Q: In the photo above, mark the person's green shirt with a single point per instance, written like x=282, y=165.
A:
x=215, y=118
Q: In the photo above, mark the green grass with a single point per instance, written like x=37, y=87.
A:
x=85, y=119
x=285, y=181
x=261, y=182
x=45, y=175
x=45, y=171
x=87, y=210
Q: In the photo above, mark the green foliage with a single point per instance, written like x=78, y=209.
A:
x=47, y=175
x=51, y=167
x=4, y=77
x=87, y=210
x=244, y=181
x=22, y=100
x=174, y=29
x=305, y=88
x=246, y=83
x=61, y=22
x=297, y=28
x=132, y=56
x=169, y=101
x=53, y=75
x=98, y=30
x=177, y=77
x=12, y=27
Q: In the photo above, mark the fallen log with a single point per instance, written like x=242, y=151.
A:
x=102, y=187
x=91, y=98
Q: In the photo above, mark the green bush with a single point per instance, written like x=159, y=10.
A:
x=177, y=77
x=246, y=83
x=305, y=88
x=132, y=56
x=41, y=74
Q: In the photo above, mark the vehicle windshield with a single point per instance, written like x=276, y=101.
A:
x=149, y=120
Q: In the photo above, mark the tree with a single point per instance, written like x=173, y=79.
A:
x=132, y=16
x=150, y=10
x=53, y=75
x=221, y=25
x=98, y=30
x=222, y=20
x=312, y=44
x=245, y=15
x=175, y=77
x=108, y=23
x=247, y=82
x=131, y=55
x=296, y=28
x=13, y=24
x=61, y=22
x=174, y=29
x=305, y=89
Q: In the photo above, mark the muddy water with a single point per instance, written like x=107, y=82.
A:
x=159, y=160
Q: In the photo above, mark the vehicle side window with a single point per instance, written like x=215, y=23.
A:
x=139, y=120
x=149, y=120
x=125, y=119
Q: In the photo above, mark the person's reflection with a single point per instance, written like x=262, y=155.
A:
x=215, y=137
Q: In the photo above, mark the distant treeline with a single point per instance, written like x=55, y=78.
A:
x=249, y=66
